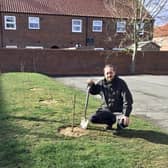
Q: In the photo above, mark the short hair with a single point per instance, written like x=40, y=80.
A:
x=110, y=66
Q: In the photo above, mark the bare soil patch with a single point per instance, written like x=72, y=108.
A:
x=49, y=101
x=75, y=132
x=36, y=89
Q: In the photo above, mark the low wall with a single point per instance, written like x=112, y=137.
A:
x=79, y=62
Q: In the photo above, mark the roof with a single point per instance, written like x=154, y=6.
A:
x=142, y=44
x=96, y=8
x=161, y=31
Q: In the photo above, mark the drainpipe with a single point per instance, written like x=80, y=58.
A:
x=1, y=29
x=86, y=27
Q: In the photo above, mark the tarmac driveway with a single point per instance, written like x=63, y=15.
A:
x=150, y=93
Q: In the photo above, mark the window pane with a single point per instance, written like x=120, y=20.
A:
x=10, y=22
x=76, y=22
x=121, y=26
x=76, y=25
x=77, y=28
x=97, y=26
x=34, y=23
x=10, y=19
x=10, y=25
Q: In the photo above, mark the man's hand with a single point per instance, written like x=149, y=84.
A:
x=90, y=82
x=126, y=120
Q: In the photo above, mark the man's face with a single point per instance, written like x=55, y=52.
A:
x=109, y=73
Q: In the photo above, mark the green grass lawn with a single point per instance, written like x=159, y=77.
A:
x=33, y=108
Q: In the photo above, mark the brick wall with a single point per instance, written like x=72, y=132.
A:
x=57, y=31
x=53, y=34
x=79, y=62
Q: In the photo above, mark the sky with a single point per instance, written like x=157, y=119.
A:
x=158, y=9
x=161, y=19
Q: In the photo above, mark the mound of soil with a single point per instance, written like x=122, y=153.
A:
x=48, y=102
x=36, y=89
x=75, y=132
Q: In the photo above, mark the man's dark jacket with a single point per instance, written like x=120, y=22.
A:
x=115, y=94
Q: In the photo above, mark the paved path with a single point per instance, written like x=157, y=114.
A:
x=150, y=95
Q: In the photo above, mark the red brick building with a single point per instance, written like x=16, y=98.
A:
x=67, y=23
x=161, y=36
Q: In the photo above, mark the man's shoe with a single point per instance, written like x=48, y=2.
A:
x=108, y=127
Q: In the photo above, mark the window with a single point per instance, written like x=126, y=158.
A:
x=140, y=28
x=121, y=26
x=97, y=26
x=118, y=49
x=10, y=22
x=76, y=25
x=11, y=46
x=34, y=23
x=98, y=49
x=34, y=47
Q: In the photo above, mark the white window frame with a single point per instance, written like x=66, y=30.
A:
x=98, y=49
x=118, y=49
x=121, y=26
x=34, y=22
x=76, y=25
x=11, y=21
x=34, y=47
x=140, y=28
x=11, y=46
x=97, y=25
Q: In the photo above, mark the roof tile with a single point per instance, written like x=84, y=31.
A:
x=97, y=8
x=161, y=31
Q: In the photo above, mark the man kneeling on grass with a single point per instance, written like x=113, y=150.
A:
x=117, y=100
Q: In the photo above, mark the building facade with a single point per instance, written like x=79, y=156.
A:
x=66, y=23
